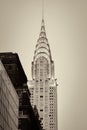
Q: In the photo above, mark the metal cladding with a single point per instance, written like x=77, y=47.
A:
x=42, y=52
x=42, y=46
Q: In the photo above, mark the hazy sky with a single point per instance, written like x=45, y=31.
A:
x=66, y=28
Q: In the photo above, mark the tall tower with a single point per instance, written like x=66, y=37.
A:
x=43, y=86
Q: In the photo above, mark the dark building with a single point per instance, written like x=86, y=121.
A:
x=28, y=119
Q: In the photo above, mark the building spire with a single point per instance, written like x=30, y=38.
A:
x=42, y=31
x=42, y=9
x=43, y=23
x=42, y=46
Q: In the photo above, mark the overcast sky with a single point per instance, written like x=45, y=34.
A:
x=66, y=28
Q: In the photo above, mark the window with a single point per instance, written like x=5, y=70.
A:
x=41, y=109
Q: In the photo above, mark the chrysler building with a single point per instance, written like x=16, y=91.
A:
x=43, y=86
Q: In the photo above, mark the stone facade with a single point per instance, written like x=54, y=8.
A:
x=9, y=102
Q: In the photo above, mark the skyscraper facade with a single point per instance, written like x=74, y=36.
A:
x=43, y=86
x=9, y=102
